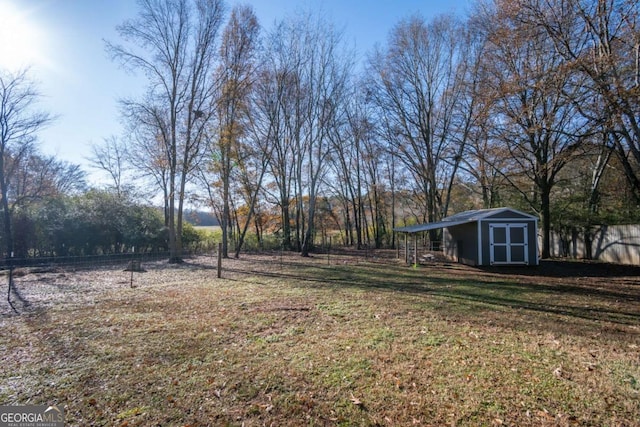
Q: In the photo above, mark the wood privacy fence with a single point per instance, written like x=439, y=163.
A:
x=619, y=244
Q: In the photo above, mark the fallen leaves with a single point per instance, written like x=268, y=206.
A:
x=208, y=345
x=356, y=401
x=558, y=372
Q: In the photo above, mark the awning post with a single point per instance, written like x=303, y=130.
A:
x=406, y=248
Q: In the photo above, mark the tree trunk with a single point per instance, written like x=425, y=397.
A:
x=307, y=243
x=174, y=256
x=546, y=223
x=8, y=235
x=226, y=214
x=286, y=226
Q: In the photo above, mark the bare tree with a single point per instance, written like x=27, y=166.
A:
x=252, y=168
x=347, y=164
x=278, y=88
x=307, y=71
x=38, y=177
x=601, y=40
x=536, y=121
x=374, y=155
x=110, y=157
x=19, y=126
x=145, y=155
x=359, y=159
x=416, y=86
x=324, y=76
x=235, y=75
x=173, y=43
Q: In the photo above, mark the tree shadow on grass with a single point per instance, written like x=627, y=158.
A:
x=506, y=297
x=570, y=270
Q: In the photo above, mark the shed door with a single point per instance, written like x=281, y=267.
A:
x=509, y=243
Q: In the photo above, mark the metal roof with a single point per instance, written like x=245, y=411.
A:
x=458, y=219
x=417, y=228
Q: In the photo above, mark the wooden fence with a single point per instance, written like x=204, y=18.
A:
x=619, y=244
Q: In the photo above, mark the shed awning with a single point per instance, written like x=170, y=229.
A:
x=417, y=228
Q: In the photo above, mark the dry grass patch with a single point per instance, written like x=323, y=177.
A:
x=305, y=343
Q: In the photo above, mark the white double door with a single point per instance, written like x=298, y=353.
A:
x=509, y=243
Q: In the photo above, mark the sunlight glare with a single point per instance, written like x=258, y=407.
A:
x=22, y=42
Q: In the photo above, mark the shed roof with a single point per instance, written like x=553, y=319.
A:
x=461, y=218
x=417, y=228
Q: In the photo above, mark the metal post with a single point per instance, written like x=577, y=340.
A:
x=11, y=266
x=219, y=260
x=132, y=264
x=406, y=248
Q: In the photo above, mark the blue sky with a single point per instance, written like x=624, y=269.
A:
x=62, y=40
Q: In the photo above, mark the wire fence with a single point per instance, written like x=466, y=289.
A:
x=85, y=261
x=126, y=258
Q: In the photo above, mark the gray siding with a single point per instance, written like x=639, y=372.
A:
x=461, y=236
x=461, y=243
x=510, y=214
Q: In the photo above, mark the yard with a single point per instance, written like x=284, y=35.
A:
x=327, y=342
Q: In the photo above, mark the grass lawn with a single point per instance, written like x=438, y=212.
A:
x=306, y=343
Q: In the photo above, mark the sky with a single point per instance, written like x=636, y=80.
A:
x=63, y=43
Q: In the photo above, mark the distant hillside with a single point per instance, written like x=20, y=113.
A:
x=201, y=218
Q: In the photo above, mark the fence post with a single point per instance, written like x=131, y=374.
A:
x=11, y=266
x=219, y=260
x=133, y=264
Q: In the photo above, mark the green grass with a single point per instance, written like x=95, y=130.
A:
x=209, y=228
x=349, y=344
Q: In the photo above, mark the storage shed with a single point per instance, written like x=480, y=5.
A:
x=485, y=237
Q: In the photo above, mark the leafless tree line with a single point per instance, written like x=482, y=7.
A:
x=283, y=119
x=532, y=103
